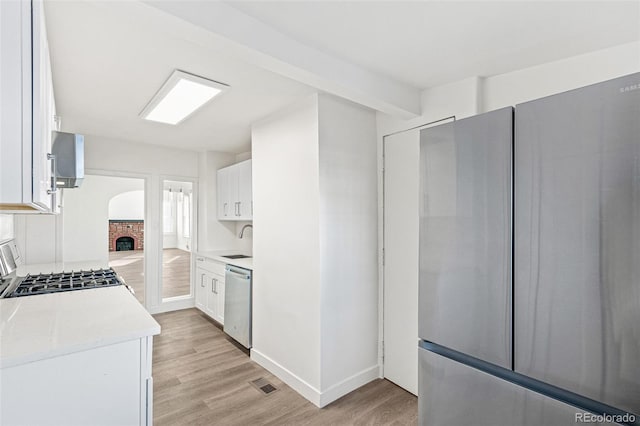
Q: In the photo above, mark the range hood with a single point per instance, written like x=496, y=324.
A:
x=68, y=149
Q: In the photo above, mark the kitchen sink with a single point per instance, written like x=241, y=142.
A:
x=236, y=256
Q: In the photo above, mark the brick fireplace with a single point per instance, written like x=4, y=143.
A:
x=122, y=232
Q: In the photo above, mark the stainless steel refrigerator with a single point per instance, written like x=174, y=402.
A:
x=530, y=262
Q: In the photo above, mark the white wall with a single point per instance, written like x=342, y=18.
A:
x=6, y=227
x=244, y=244
x=286, y=246
x=86, y=216
x=477, y=94
x=348, y=246
x=315, y=281
x=213, y=234
x=128, y=205
x=559, y=76
x=41, y=236
x=134, y=157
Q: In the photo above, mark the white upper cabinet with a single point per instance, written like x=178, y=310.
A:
x=27, y=110
x=245, y=200
x=234, y=192
x=223, y=200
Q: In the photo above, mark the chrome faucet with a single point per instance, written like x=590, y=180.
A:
x=248, y=225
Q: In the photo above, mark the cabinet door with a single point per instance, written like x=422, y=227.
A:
x=201, y=289
x=234, y=192
x=224, y=206
x=245, y=202
x=215, y=297
x=211, y=295
x=26, y=86
x=43, y=115
x=220, y=302
x=233, y=188
x=15, y=86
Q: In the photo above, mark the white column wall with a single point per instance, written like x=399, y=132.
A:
x=348, y=247
x=286, y=247
x=315, y=244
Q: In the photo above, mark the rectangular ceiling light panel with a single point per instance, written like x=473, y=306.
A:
x=180, y=96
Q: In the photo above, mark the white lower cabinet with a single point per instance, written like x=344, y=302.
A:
x=210, y=288
x=109, y=385
x=215, y=298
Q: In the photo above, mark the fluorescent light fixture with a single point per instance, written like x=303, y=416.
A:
x=180, y=96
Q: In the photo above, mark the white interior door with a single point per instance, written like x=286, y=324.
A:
x=401, y=179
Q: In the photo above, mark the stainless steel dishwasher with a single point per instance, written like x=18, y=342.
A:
x=237, y=304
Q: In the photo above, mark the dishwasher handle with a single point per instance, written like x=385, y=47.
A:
x=240, y=273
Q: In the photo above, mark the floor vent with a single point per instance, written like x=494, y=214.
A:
x=263, y=386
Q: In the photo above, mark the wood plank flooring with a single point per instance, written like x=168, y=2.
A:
x=202, y=378
x=176, y=271
x=130, y=265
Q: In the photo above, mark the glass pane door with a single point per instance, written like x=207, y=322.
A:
x=177, y=219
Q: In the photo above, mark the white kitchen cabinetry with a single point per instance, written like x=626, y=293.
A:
x=234, y=192
x=109, y=385
x=210, y=288
x=84, y=356
x=245, y=196
x=27, y=110
x=222, y=193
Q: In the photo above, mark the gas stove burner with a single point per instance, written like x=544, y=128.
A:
x=66, y=281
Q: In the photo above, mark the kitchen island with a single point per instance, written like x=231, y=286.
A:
x=78, y=357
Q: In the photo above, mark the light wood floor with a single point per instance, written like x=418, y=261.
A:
x=176, y=271
x=201, y=378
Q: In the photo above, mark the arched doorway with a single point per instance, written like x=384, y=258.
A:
x=126, y=232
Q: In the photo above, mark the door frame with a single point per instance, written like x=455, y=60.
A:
x=185, y=301
x=147, y=212
x=153, y=238
x=381, y=229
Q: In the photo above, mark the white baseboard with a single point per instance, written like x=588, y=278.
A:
x=295, y=382
x=173, y=305
x=318, y=398
x=349, y=384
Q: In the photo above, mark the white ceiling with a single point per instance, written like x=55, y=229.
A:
x=109, y=58
x=427, y=43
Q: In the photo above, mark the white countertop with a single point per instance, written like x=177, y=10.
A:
x=216, y=255
x=49, y=325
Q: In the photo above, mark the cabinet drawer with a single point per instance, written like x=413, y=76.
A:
x=210, y=265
